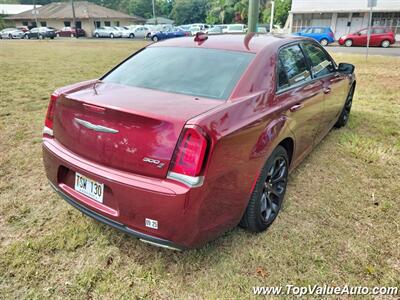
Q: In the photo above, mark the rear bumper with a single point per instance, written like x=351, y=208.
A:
x=98, y=217
x=129, y=199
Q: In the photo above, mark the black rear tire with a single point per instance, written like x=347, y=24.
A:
x=269, y=191
x=345, y=114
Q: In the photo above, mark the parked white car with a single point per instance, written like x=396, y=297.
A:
x=122, y=30
x=236, y=28
x=106, y=31
x=11, y=33
x=195, y=29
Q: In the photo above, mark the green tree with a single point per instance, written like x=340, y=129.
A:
x=189, y=11
x=281, y=13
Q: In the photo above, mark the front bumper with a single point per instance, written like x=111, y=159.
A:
x=129, y=199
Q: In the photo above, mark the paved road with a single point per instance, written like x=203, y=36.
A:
x=392, y=51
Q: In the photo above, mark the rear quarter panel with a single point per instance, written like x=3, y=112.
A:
x=243, y=134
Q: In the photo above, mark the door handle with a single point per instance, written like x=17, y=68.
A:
x=327, y=90
x=296, y=107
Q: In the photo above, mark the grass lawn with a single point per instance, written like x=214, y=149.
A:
x=340, y=224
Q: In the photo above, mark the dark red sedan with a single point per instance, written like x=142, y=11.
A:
x=380, y=37
x=70, y=32
x=187, y=138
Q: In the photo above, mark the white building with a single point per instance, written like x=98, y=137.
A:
x=13, y=9
x=343, y=16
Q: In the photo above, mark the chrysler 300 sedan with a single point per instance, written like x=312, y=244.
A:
x=188, y=138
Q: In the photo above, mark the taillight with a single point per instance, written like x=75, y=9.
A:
x=189, y=155
x=48, y=123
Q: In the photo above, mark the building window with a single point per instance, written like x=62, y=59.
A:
x=107, y=23
x=97, y=24
x=343, y=15
x=78, y=24
x=25, y=23
x=67, y=23
x=43, y=23
x=116, y=23
x=390, y=20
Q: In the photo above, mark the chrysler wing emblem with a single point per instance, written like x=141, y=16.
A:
x=95, y=127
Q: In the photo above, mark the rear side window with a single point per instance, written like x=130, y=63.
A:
x=321, y=64
x=198, y=72
x=292, y=60
x=318, y=30
x=378, y=30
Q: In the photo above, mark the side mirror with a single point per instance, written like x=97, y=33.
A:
x=346, y=68
x=358, y=33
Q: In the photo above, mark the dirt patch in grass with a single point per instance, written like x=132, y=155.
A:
x=340, y=224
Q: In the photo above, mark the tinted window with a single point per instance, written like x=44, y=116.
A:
x=363, y=32
x=191, y=71
x=283, y=81
x=294, y=64
x=321, y=64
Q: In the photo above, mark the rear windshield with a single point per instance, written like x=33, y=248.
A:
x=192, y=71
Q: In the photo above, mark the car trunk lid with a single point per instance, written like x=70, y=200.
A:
x=127, y=128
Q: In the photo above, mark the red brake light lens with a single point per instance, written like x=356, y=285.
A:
x=189, y=155
x=50, y=111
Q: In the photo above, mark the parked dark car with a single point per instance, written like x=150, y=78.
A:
x=187, y=138
x=168, y=34
x=40, y=33
x=380, y=37
x=70, y=32
x=324, y=35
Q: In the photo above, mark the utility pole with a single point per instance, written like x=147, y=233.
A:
x=154, y=13
x=73, y=17
x=271, y=22
x=35, y=13
x=371, y=4
x=254, y=11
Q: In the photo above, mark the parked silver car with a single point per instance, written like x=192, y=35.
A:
x=138, y=32
x=11, y=33
x=106, y=31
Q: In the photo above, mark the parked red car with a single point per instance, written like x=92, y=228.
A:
x=70, y=32
x=380, y=37
x=181, y=149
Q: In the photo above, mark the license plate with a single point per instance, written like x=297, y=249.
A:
x=89, y=187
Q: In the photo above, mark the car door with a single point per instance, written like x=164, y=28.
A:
x=34, y=33
x=376, y=36
x=360, y=38
x=334, y=84
x=300, y=96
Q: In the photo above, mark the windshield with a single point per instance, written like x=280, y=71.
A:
x=207, y=73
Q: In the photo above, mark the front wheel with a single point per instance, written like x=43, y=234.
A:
x=324, y=42
x=132, y=36
x=267, y=196
x=345, y=114
x=154, y=38
x=385, y=44
x=348, y=43
x=27, y=36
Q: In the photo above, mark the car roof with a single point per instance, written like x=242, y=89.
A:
x=253, y=43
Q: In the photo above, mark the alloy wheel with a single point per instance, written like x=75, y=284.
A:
x=324, y=42
x=385, y=44
x=347, y=105
x=348, y=43
x=273, y=190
